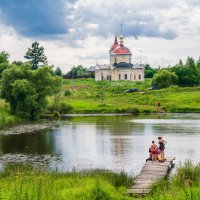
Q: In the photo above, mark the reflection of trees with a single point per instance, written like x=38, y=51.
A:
x=40, y=143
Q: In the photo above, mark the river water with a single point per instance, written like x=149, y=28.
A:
x=110, y=142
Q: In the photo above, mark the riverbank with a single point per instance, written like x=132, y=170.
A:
x=29, y=127
x=26, y=182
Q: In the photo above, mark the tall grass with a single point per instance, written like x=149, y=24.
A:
x=24, y=182
x=183, y=185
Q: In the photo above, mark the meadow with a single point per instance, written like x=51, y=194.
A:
x=89, y=96
x=24, y=182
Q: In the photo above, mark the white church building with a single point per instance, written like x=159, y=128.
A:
x=120, y=67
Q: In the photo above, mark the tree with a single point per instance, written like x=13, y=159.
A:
x=4, y=57
x=58, y=72
x=76, y=72
x=149, y=71
x=164, y=79
x=26, y=90
x=36, y=55
x=188, y=74
x=18, y=63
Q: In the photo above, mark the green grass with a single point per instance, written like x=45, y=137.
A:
x=86, y=97
x=24, y=182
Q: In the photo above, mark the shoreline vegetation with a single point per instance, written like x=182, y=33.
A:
x=87, y=96
x=22, y=181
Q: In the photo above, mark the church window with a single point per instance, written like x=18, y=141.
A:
x=119, y=76
x=125, y=76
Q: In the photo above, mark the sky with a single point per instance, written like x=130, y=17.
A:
x=80, y=32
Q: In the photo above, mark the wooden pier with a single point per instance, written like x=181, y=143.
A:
x=150, y=174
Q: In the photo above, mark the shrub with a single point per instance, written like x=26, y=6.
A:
x=67, y=93
x=64, y=108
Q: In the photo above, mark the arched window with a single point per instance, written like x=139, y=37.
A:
x=129, y=60
x=139, y=77
x=125, y=76
x=119, y=76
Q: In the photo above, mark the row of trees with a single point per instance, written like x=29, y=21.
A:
x=25, y=86
x=181, y=74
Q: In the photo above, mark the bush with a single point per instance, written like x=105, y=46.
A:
x=67, y=93
x=64, y=108
x=164, y=79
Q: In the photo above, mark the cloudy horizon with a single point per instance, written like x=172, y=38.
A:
x=77, y=32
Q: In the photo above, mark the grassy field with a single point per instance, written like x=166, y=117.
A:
x=89, y=96
x=23, y=182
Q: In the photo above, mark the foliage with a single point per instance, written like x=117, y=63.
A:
x=149, y=71
x=26, y=90
x=164, y=79
x=18, y=63
x=188, y=74
x=67, y=93
x=36, y=55
x=4, y=57
x=58, y=72
x=76, y=72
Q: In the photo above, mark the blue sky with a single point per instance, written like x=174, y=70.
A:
x=81, y=31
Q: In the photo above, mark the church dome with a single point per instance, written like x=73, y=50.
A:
x=121, y=50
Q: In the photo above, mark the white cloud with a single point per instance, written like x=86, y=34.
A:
x=157, y=32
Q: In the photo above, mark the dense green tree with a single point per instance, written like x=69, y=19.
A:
x=18, y=63
x=36, y=55
x=26, y=90
x=198, y=63
x=149, y=71
x=76, y=72
x=58, y=72
x=4, y=57
x=164, y=79
x=188, y=73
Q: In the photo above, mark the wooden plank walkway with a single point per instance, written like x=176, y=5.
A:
x=150, y=174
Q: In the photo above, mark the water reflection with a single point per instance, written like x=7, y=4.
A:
x=112, y=142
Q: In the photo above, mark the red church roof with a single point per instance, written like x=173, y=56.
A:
x=121, y=50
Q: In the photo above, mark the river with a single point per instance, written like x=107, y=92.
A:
x=110, y=142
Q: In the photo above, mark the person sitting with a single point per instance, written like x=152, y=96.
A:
x=150, y=156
